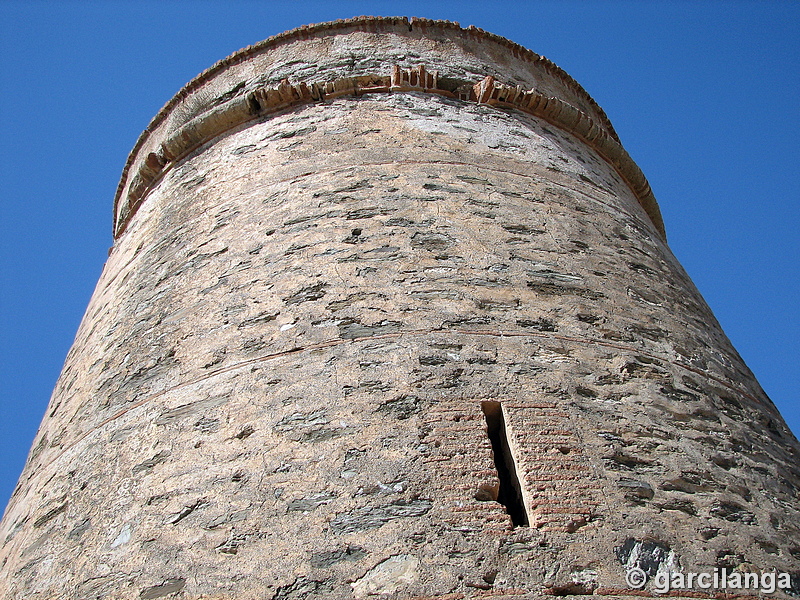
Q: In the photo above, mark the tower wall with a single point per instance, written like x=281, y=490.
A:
x=319, y=300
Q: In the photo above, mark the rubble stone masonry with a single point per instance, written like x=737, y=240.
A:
x=390, y=312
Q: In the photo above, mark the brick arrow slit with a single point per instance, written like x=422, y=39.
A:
x=510, y=492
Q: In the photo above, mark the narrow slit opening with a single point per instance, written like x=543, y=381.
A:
x=510, y=492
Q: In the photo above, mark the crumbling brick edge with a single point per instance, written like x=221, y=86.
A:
x=264, y=101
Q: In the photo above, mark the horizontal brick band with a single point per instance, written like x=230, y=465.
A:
x=142, y=173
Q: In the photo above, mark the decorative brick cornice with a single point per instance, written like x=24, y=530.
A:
x=140, y=174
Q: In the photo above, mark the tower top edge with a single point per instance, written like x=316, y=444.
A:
x=165, y=120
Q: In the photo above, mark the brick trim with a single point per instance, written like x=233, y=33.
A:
x=265, y=101
x=428, y=27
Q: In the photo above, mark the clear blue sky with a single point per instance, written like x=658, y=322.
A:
x=705, y=96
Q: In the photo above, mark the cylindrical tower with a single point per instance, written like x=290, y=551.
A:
x=390, y=311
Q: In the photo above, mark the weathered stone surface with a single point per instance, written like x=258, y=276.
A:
x=313, y=316
x=393, y=574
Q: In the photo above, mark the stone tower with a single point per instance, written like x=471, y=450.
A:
x=390, y=311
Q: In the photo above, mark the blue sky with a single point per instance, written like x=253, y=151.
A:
x=705, y=96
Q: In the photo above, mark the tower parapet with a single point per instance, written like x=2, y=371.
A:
x=210, y=105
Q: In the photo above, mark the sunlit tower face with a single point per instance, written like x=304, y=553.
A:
x=390, y=310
